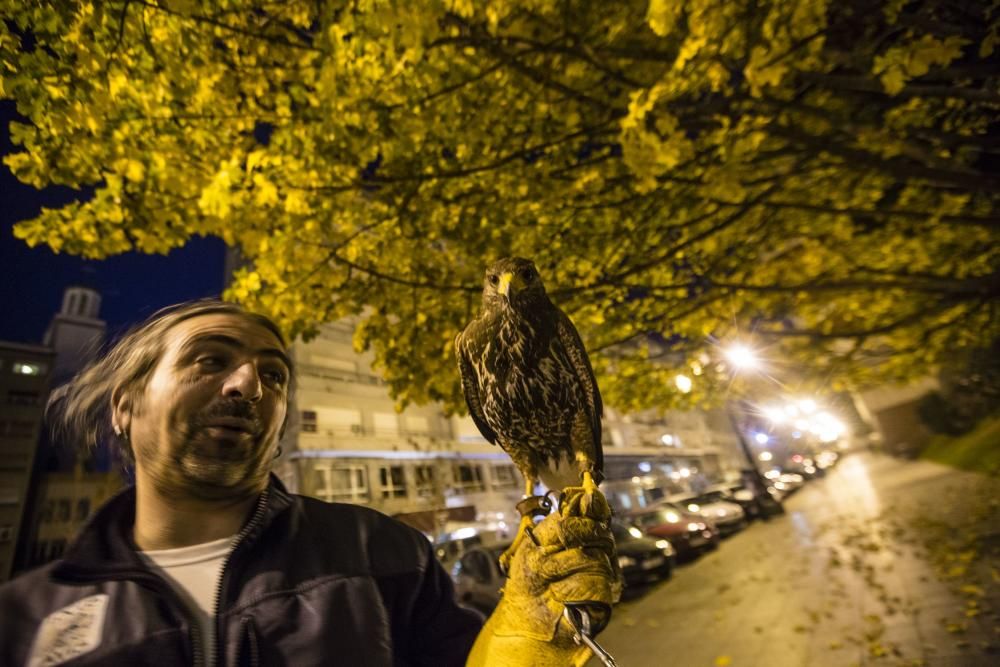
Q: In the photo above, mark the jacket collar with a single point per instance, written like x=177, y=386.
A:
x=105, y=546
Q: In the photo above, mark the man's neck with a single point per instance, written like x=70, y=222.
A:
x=171, y=523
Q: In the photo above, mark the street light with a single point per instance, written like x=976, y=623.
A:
x=683, y=383
x=807, y=406
x=742, y=357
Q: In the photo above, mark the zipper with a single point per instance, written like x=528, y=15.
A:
x=258, y=514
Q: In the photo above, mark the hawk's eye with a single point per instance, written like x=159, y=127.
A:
x=494, y=279
x=527, y=275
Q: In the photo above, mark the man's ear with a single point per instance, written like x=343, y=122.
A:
x=121, y=410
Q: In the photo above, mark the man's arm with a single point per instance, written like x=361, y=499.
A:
x=574, y=561
x=441, y=632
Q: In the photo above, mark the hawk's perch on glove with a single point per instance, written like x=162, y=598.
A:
x=530, y=387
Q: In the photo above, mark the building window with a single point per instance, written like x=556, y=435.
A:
x=393, y=481
x=39, y=551
x=468, y=477
x=418, y=425
x=56, y=548
x=385, y=423
x=25, y=368
x=308, y=421
x=426, y=479
x=348, y=483
x=62, y=510
x=82, y=509
x=505, y=476
x=17, y=428
x=339, y=422
x=22, y=397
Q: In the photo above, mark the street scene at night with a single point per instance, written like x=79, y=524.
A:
x=500, y=333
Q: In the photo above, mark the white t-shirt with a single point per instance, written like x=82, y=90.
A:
x=194, y=573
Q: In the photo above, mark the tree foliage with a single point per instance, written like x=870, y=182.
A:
x=816, y=178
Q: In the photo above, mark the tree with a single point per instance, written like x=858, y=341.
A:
x=818, y=178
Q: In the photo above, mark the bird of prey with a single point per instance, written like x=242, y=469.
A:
x=530, y=387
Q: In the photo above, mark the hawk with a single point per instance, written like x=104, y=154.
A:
x=530, y=387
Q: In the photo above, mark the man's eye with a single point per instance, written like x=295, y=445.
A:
x=210, y=362
x=275, y=377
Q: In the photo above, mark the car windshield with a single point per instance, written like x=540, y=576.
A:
x=622, y=532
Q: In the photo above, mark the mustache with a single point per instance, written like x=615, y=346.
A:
x=235, y=408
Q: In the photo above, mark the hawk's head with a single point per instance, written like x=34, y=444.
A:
x=512, y=282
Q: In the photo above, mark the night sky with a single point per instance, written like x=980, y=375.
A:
x=132, y=286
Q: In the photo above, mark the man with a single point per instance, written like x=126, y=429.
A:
x=208, y=560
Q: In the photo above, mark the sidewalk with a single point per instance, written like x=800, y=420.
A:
x=883, y=562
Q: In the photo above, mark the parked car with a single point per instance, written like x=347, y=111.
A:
x=727, y=516
x=786, y=483
x=642, y=559
x=688, y=533
x=478, y=578
x=734, y=493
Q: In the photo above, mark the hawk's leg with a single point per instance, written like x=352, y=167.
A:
x=530, y=507
x=585, y=500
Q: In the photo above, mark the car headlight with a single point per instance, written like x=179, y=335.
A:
x=625, y=561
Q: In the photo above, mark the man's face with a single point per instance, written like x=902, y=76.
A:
x=208, y=421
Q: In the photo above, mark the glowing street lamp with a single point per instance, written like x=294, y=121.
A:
x=762, y=438
x=683, y=383
x=774, y=415
x=807, y=406
x=742, y=357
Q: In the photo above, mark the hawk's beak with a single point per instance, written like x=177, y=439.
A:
x=504, y=286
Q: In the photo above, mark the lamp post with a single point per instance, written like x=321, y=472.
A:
x=742, y=358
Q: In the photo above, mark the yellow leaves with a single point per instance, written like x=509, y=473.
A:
x=764, y=69
x=264, y=193
x=217, y=198
x=132, y=169
x=117, y=81
x=900, y=64
x=662, y=16
x=652, y=152
x=717, y=76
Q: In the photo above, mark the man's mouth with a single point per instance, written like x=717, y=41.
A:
x=232, y=425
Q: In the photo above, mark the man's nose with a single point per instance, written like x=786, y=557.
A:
x=243, y=382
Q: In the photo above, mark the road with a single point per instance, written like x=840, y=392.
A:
x=882, y=562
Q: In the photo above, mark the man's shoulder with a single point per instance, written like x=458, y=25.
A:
x=33, y=594
x=386, y=541
x=29, y=580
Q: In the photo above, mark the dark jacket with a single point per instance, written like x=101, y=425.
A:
x=308, y=583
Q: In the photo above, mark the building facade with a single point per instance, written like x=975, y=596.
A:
x=25, y=371
x=346, y=442
x=65, y=501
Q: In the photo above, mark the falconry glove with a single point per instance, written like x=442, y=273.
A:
x=568, y=560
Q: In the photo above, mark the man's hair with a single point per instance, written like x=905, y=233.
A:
x=79, y=412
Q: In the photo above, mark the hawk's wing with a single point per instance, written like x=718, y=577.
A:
x=470, y=381
x=577, y=354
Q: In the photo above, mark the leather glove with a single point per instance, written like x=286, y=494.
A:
x=573, y=561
